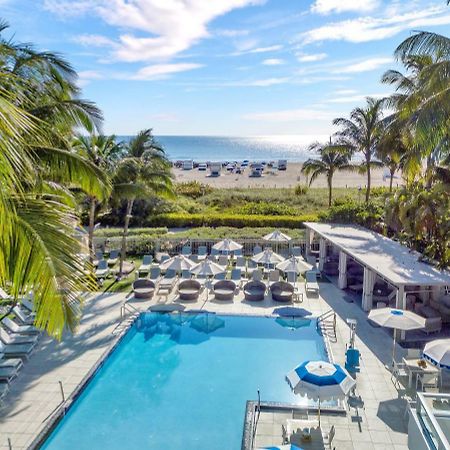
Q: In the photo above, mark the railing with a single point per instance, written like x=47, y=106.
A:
x=324, y=322
x=126, y=307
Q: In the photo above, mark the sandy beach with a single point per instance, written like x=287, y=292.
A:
x=280, y=179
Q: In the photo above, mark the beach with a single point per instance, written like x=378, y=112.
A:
x=280, y=179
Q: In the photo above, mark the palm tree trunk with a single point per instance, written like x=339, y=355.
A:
x=91, y=229
x=368, y=180
x=330, y=190
x=391, y=180
x=123, y=250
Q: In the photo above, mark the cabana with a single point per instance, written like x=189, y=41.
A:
x=381, y=257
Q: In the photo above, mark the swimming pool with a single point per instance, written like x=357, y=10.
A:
x=182, y=381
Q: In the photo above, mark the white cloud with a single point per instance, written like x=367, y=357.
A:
x=271, y=48
x=355, y=98
x=291, y=115
x=366, y=29
x=86, y=76
x=273, y=62
x=232, y=33
x=364, y=66
x=250, y=47
x=311, y=58
x=345, y=92
x=266, y=82
x=338, y=6
x=161, y=71
x=170, y=26
x=94, y=40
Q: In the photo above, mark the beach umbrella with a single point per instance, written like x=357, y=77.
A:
x=282, y=447
x=294, y=264
x=227, y=246
x=398, y=319
x=320, y=380
x=266, y=257
x=177, y=263
x=207, y=268
x=207, y=323
x=438, y=352
x=277, y=236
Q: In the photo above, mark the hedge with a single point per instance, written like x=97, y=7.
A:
x=180, y=220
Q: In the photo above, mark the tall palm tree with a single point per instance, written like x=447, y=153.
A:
x=103, y=152
x=144, y=171
x=39, y=108
x=360, y=133
x=332, y=158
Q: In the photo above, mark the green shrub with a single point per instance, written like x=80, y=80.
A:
x=193, y=189
x=231, y=220
x=369, y=214
x=301, y=189
x=267, y=209
x=117, y=232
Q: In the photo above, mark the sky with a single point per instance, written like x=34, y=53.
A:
x=225, y=67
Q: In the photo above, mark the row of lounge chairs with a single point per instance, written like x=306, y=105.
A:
x=104, y=265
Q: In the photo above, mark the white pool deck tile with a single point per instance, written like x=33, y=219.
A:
x=377, y=424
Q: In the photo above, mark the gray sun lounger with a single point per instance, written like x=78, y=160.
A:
x=25, y=317
x=146, y=264
x=10, y=362
x=16, y=350
x=13, y=327
x=311, y=282
x=17, y=338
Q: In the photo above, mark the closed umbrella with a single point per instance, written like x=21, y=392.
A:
x=227, y=246
x=266, y=257
x=320, y=380
x=438, y=352
x=277, y=236
x=178, y=263
x=398, y=319
x=294, y=264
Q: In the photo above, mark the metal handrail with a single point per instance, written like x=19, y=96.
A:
x=327, y=315
x=126, y=306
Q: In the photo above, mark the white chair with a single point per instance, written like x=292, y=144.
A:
x=328, y=437
x=427, y=380
x=146, y=264
x=311, y=282
x=13, y=327
x=399, y=370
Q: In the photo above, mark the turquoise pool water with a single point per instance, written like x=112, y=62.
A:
x=181, y=382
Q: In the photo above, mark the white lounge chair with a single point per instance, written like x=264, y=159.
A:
x=13, y=327
x=11, y=339
x=168, y=281
x=102, y=269
x=146, y=264
x=10, y=362
x=113, y=258
x=202, y=253
x=16, y=350
x=427, y=380
x=311, y=282
x=25, y=317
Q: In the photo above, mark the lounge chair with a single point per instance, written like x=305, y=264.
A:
x=186, y=274
x=163, y=257
x=236, y=276
x=169, y=280
x=189, y=290
x=282, y=291
x=4, y=389
x=9, y=339
x=399, y=370
x=16, y=350
x=219, y=277
x=257, y=275
x=8, y=373
x=146, y=264
x=296, y=251
x=155, y=274
x=13, y=327
x=97, y=258
x=10, y=362
x=28, y=304
x=113, y=258
x=311, y=282
x=143, y=288
x=223, y=260
x=202, y=253
x=224, y=290
x=274, y=276
x=257, y=249
x=214, y=252
x=102, y=269
x=254, y=291
x=427, y=380
x=25, y=317
x=186, y=251
x=237, y=252
x=251, y=267
x=241, y=263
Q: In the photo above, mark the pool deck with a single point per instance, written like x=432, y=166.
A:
x=377, y=423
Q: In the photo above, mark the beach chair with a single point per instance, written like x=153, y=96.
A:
x=427, y=380
x=257, y=275
x=113, y=258
x=292, y=277
x=399, y=370
x=251, y=267
x=102, y=270
x=219, y=277
x=155, y=274
x=236, y=276
x=223, y=260
x=296, y=251
x=311, y=282
x=146, y=264
x=25, y=317
x=202, y=253
x=10, y=362
x=16, y=350
x=97, y=258
x=238, y=252
x=8, y=373
x=164, y=257
x=186, y=251
x=257, y=249
x=214, y=252
x=13, y=327
x=12, y=339
x=169, y=280
x=186, y=274
x=274, y=276
x=4, y=389
x=241, y=263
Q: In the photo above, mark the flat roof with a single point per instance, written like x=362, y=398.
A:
x=390, y=259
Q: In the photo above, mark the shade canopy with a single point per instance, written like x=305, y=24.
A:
x=438, y=352
x=177, y=263
x=397, y=318
x=320, y=380
x=277, y=236
x=268, y=256
x=294, y=264
x=227, y=245
x=207, y=268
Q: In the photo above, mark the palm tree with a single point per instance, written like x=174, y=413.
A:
x=332, y=158
x=143, y=172
x=360, y=133
x=103, y=152
x=39, y=108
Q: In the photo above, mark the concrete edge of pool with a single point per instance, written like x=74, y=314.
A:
x=60, y=411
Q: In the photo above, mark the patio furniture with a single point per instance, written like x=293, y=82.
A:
x=282, y=291
x=302, y=427
x=143, y=288
x=155, y=274
x=13, y=327
x=274, y=276
x=224, y=290
x=327, y=437
x=296, y=251
x=399, y=370
x=189, y=290
x=254, y=291
x=186, y=251
x=417, y=366
x=236, y=276
x=202, y=252
x=97, y=258
x=311, y=282
x=11, y=339
x=25, y=317
x=113, y=258
x=102, y=269
x=257, y=249
x=169, y=280
x=443, y=306
x=251, y=267
x=413, y=353
x=257, y=275
x=16, y=350
x=186, y=274
x=427, y=380
x=240, y=263
x=292, y=277
x=146, y=264
x=223, y=261
x=10, y=362
x=8, y=373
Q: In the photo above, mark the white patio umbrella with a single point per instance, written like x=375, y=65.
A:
x=438, y=352
x=227, y=246
x=277, y=236
x=320, y=380
x=207, y=268
x=268, y=256
x=294, y=264
x=178, y=263
x=398, y=319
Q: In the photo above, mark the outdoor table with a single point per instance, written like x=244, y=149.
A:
x=294, y=425
x=412, y=366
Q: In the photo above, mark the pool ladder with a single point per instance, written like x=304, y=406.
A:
x=326, y=324
x=128, y=315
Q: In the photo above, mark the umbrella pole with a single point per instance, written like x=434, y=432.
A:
x=319, y=412
x=393, y=348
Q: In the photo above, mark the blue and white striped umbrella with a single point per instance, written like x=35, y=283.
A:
x=438, y=352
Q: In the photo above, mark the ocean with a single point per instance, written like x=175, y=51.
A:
x=221, y=148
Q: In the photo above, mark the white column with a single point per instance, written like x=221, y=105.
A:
x=342, y=270
x=436, y=293
x=368, y=284
x=400, y=301
x=322, y=252
x=308, y=240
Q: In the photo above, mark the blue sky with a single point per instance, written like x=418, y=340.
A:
x=225, y=67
